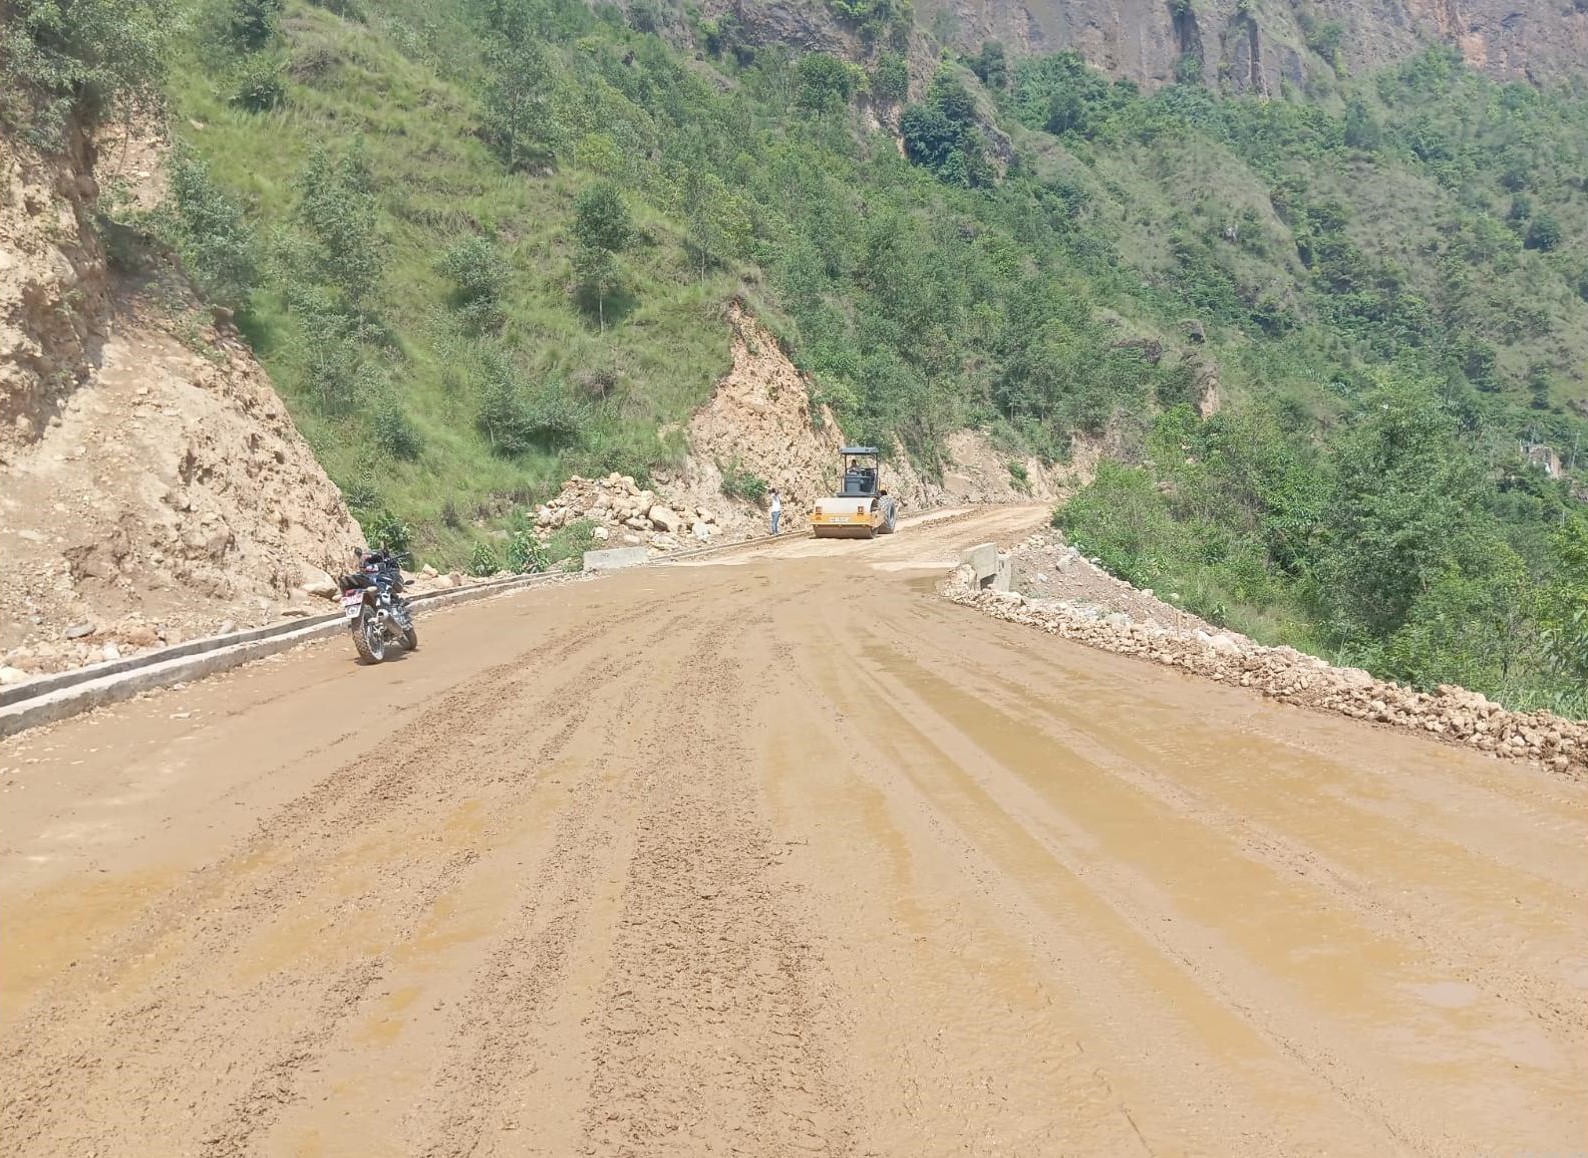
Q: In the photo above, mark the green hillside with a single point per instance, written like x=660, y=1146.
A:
x=483, y=244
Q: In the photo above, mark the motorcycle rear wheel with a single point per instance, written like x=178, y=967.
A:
x=410, y=639
x=369, y=640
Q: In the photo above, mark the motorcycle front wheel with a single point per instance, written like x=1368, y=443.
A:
x=368, y=638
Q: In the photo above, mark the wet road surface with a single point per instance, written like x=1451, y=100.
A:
x=777, y=854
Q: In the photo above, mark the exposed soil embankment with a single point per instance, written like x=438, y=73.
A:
x=152, y=484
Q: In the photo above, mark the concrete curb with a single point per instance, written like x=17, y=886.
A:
x=69, y=693
x=58, y=697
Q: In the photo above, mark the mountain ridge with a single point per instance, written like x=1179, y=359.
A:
x=1238, y=45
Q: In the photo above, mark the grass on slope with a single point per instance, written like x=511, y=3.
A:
x=663, y=346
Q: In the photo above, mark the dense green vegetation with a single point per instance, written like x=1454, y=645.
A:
x=482, y=244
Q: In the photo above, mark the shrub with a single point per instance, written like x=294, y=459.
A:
x=386, y=531
x=525, y=554
x=261, y=83
x=738, y=483
x=337, y=207
x=622, y=460
x=393, y=431
x=483, y=562
x=568, y=544
x=516, y=422
x=479, y=277
x=209, y=232
x=334, y=367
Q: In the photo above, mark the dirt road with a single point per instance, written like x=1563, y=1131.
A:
x=777, y=856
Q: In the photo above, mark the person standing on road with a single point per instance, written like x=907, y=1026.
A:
x=777, y=510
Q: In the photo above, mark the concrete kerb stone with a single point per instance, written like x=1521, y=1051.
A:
x=66, y=679
x=110, y=689
x=615, y=558
x=60, y=697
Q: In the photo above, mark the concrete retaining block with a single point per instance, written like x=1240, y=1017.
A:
x=1003, y=578
x=615, y=558
x=983, y=560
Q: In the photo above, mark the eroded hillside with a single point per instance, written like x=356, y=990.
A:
x=154, y=485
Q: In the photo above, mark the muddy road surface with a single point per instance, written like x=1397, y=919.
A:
x=779, y=855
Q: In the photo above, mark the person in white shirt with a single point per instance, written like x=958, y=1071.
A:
x=777, y=511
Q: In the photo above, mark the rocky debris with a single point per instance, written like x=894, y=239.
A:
x=318, y=583
x=1451, y=714
x=623, y=511
x=761, y=421
x=980, y=473
x=663, y=519
x=1045, y=567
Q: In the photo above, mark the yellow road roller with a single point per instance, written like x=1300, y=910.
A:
x=862, y=508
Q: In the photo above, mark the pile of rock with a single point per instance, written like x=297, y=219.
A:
x=1452, y=714
x=87, y=642
x=626, y=513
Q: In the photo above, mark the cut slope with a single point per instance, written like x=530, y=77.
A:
x=154, y=485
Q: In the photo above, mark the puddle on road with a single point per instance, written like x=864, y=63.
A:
x=388, y=1018
x=51, y=932
x=1289, y=932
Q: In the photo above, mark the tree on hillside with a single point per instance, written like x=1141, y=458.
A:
x=992, y=65
x=942, y=134
x=60, y=61
x=1407, y=511
x=520, y=121
x=1362, y=129
x=717, y=222
x=602, y=229
x=826, y=83
x=1563, y=604
x=338, y=208
x=890, y=80
x=254, y=24
x=1543, y=233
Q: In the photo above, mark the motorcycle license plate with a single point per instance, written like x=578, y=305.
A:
x=351, y=604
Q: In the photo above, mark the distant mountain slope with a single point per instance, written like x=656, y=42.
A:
x=1245, y=45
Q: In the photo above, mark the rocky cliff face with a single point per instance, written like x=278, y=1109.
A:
x=1242, y=45
x=152, y=485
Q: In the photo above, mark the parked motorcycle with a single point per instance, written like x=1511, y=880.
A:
x=377, y=615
